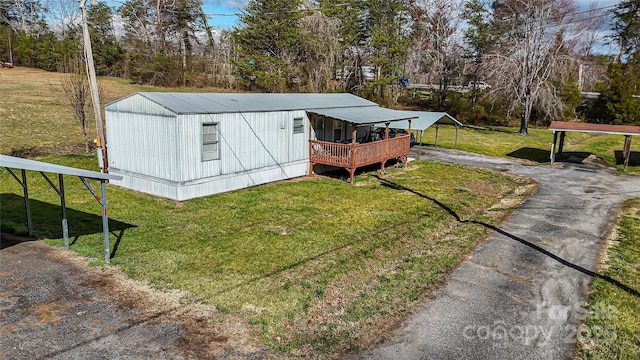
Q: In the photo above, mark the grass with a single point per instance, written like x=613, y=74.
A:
x=318, y=265
x=611, y=328
x=503, y=142
x=36, y=117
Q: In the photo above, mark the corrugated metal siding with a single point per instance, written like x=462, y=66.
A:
x=248, y=141
x=139, y=105
x=144, y=144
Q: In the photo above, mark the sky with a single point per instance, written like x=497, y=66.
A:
x=217, y=9
x=220, y=12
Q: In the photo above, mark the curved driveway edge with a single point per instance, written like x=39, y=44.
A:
x=521, y=293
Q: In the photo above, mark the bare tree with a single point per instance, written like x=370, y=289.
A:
x=436, y=24
x=529, y=50
x=76, y=89
x=320, y=48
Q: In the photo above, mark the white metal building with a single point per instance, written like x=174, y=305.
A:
x=186, y=145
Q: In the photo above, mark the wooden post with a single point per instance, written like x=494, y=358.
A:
x=626, y=151
x=352, y=157
x=435, y=144
x=561, y=144
x=386, y=146
x=409, y=132
x=552, y=156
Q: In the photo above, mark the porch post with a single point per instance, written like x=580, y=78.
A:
x=409, y=131
x=386, y=145
x=352, y=157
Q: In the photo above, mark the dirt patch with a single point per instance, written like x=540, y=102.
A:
x=54, y=305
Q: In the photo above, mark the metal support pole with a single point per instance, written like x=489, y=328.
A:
x=435, y=144
x=105, y=222
x=420, y=149
x=455, y=145
x=27, y=206
x=553, y=147
x=63, y=204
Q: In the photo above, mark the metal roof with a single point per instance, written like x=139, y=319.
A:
x=424, y=120
x=214, y=103
x=364, y=115
x=26, y=164
x=595, y=128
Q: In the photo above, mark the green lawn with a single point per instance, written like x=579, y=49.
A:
x=503, y=142
x=319, y=265
x=611, y=327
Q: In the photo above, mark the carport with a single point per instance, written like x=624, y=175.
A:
x=10, y=162
x=426, y=119
x=563, y=127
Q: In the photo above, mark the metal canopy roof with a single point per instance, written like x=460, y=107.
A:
x=26, y=164
x=364, y=115
x=595, y=128
x=10, y=162
x=562, y=127
x=424, y=120
x=214, y=103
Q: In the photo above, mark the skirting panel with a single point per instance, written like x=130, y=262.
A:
x=209, y=186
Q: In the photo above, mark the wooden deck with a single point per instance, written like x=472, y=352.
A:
x=353, y=156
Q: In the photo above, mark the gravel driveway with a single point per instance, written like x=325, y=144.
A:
x=521, y=292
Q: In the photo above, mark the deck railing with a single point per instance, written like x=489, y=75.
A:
x=353, y=156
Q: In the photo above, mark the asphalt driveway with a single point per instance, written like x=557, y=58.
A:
x=521, y=293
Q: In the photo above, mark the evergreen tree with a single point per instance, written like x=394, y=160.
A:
x=627, y=26
x=108, y=54
x=268, y=43
x=622, y=103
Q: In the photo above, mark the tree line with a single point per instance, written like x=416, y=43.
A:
x=537, y=55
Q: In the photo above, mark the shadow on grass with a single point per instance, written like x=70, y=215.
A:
x=47, y=221
x=522, y=241
x=634, y=158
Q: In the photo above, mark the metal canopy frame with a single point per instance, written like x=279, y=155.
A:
x=426, y=119
x=10, y=162
x=563, y=127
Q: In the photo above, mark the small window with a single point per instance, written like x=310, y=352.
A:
x=210, y=143
x=298, y=126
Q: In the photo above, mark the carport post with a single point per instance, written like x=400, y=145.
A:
x=561, y=145
x=105, y=222
x=63, y=204
x=626, y=151
x=420, y=149
x=27, y=206
x=553, y=146
x=455, y=145
x=436, y=142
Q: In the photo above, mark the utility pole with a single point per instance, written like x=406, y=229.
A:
x=93, y=87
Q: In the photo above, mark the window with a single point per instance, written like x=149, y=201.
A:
x=210, y=143
x=298, y=126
